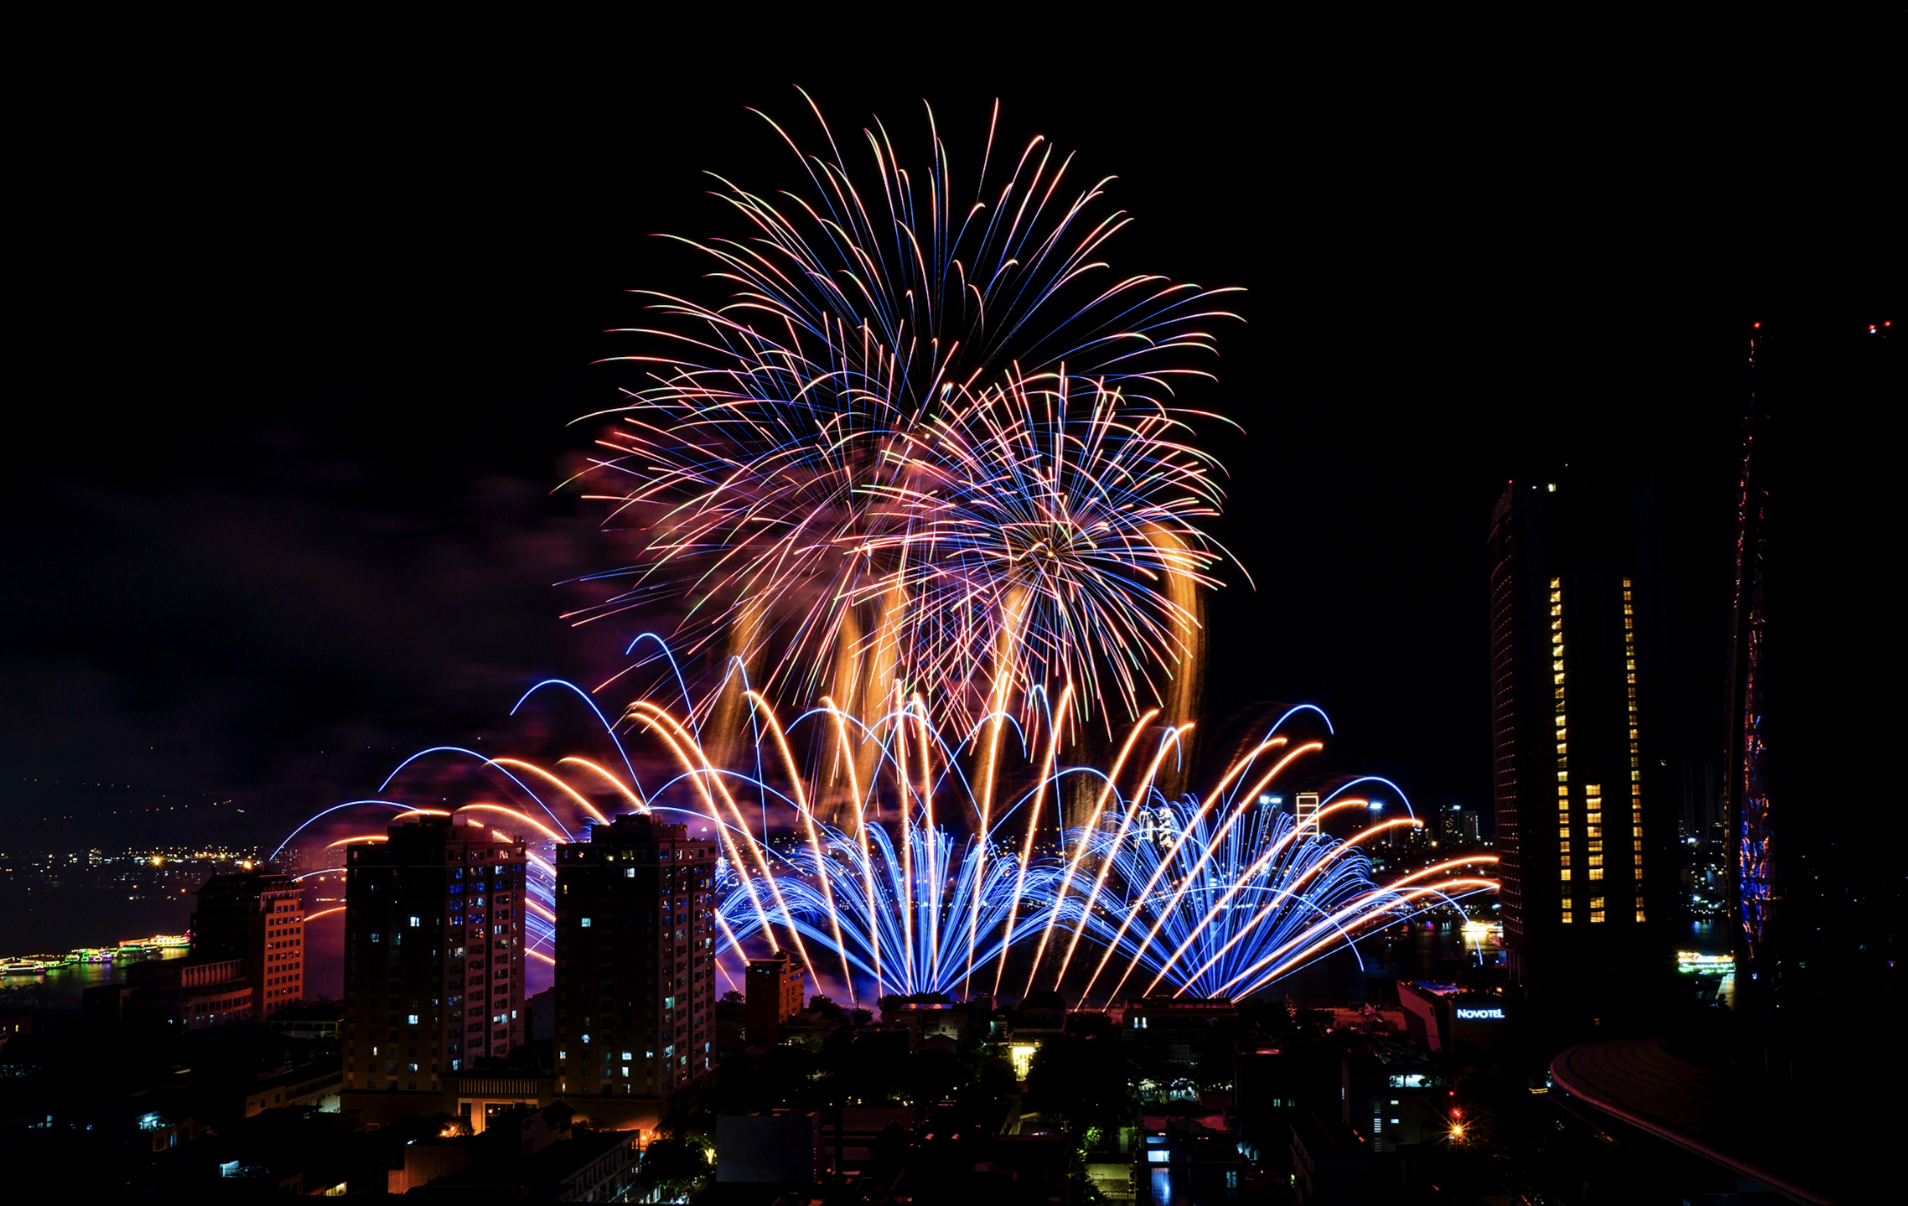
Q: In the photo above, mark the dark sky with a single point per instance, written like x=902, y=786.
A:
x=282, y=511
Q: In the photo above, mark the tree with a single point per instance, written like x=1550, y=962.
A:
x=675, y=1165
x=825, y=1007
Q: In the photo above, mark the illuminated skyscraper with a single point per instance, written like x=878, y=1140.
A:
x=434, y=954
x=1760, y=850
x=1583, y=816
x=635, y=977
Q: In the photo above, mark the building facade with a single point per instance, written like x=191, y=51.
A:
x=635, y=967
x=175, y=994
x=434, y=955
x=258, y=918
x=771, y=994
x=1584, y=820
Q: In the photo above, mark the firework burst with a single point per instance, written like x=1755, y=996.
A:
x=776, y=468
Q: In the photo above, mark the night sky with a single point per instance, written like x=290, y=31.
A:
x=284, y=510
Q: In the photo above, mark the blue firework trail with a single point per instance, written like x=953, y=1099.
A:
x=1223, y=908
x=936, y=883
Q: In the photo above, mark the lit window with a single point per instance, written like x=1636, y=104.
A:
x=1564, y=875
x=414, y=923
x=1596, y=916
x=586, y=923
x=413, y=1019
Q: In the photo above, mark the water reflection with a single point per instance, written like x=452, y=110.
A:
x=1711, y=938
x=59, y=990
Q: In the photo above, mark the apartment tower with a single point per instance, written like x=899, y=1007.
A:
x=434, y=954
x=1583, y=815
x=635, y=972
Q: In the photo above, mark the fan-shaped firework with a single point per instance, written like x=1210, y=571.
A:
x=774, y=466
x=901, y=919
x=936, y=882
x=1224, y=908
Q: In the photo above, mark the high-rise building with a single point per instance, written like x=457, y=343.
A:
x=1583, y=814
x=257, y=918
x=434, y=954
x=1760, y=848
x=1458, y=825
x=635, y=967
x=1305, y=806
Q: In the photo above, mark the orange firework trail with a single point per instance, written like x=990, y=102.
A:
x=903, y=892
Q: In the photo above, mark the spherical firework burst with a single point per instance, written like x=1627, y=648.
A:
x=1056, y=532
x=775, y=469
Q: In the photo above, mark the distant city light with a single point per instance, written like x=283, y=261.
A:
x=1695, y=961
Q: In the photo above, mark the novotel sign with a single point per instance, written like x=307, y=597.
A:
x=1467, y=1015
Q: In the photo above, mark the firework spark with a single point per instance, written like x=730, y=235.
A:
x=814, y=472
x=941, y=880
